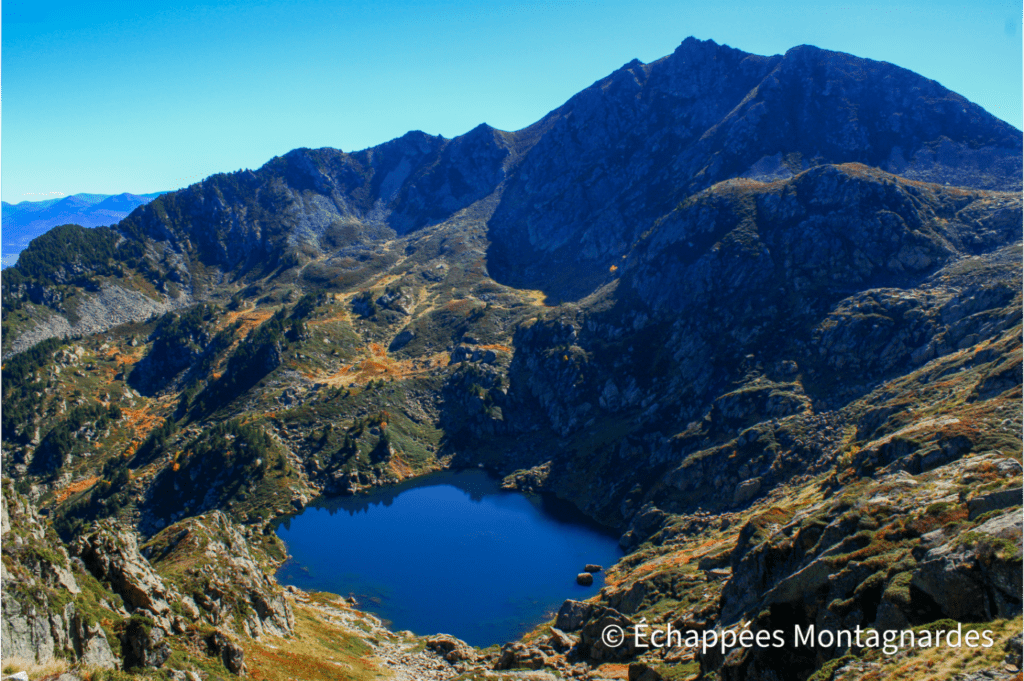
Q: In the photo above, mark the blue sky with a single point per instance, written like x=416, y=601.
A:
x=113, y=96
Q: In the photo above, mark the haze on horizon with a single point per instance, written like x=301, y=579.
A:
x=114, y=97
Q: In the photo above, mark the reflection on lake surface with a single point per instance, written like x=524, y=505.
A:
x=448, y=553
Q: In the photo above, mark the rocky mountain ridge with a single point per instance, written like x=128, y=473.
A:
x=577, y=189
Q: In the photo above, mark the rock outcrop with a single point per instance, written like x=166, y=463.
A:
x=224, y=578
x=977, y=574
x=43, y=615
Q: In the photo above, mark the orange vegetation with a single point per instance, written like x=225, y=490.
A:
x=139, y=423
x=75, y=488
x=401, y=468
x=378, y=365
x=614, y=671
x=496, y=348
x=250, y=319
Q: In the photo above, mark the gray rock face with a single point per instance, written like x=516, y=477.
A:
x=572, y=615
x=519, y=655
x=675, y=267
x=35, y=630
x=145, y=644
x=110, y=306
x=114, y=557
x=746, y=490
x=595, y=642
x=978, y=574
x=230, y=653
x=26, y=632
x=91, y=645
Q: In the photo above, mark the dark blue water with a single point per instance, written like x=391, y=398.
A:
x=448, y=553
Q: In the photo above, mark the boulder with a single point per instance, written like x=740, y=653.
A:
x=584, y=579
x=401, y=340
x=561, y=641
x=572, y=615
x=1014, y=651
x=451, y=648
x=230, y=653
x=977, y=575
x=994, y=501
x=520, y=656
x=745, y=491
x=594, y=642
x=143, y=643
x=638, y=671
x=592, y=568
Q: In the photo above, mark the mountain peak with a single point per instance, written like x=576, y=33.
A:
x=694, y=44
x=695, y=48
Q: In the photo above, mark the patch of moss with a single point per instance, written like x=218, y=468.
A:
x=827, y=672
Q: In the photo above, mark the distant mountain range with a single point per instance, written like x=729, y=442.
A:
x=26, y=220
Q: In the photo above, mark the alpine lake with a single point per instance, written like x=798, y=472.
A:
x=450, y=552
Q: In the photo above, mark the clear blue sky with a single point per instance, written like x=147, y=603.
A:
x=114, y=96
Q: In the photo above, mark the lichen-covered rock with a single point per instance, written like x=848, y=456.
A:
x=112, y=555
x=230, y=653
x=451, y=648
x=38, y=620
x=572, y=614
x=978, y=574
x=144, y=643
x=597, y=645
x=521, y=656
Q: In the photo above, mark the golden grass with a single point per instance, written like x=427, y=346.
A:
x=941, y=663
x=317, y=651
x=250, y=319
x=36, y=670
